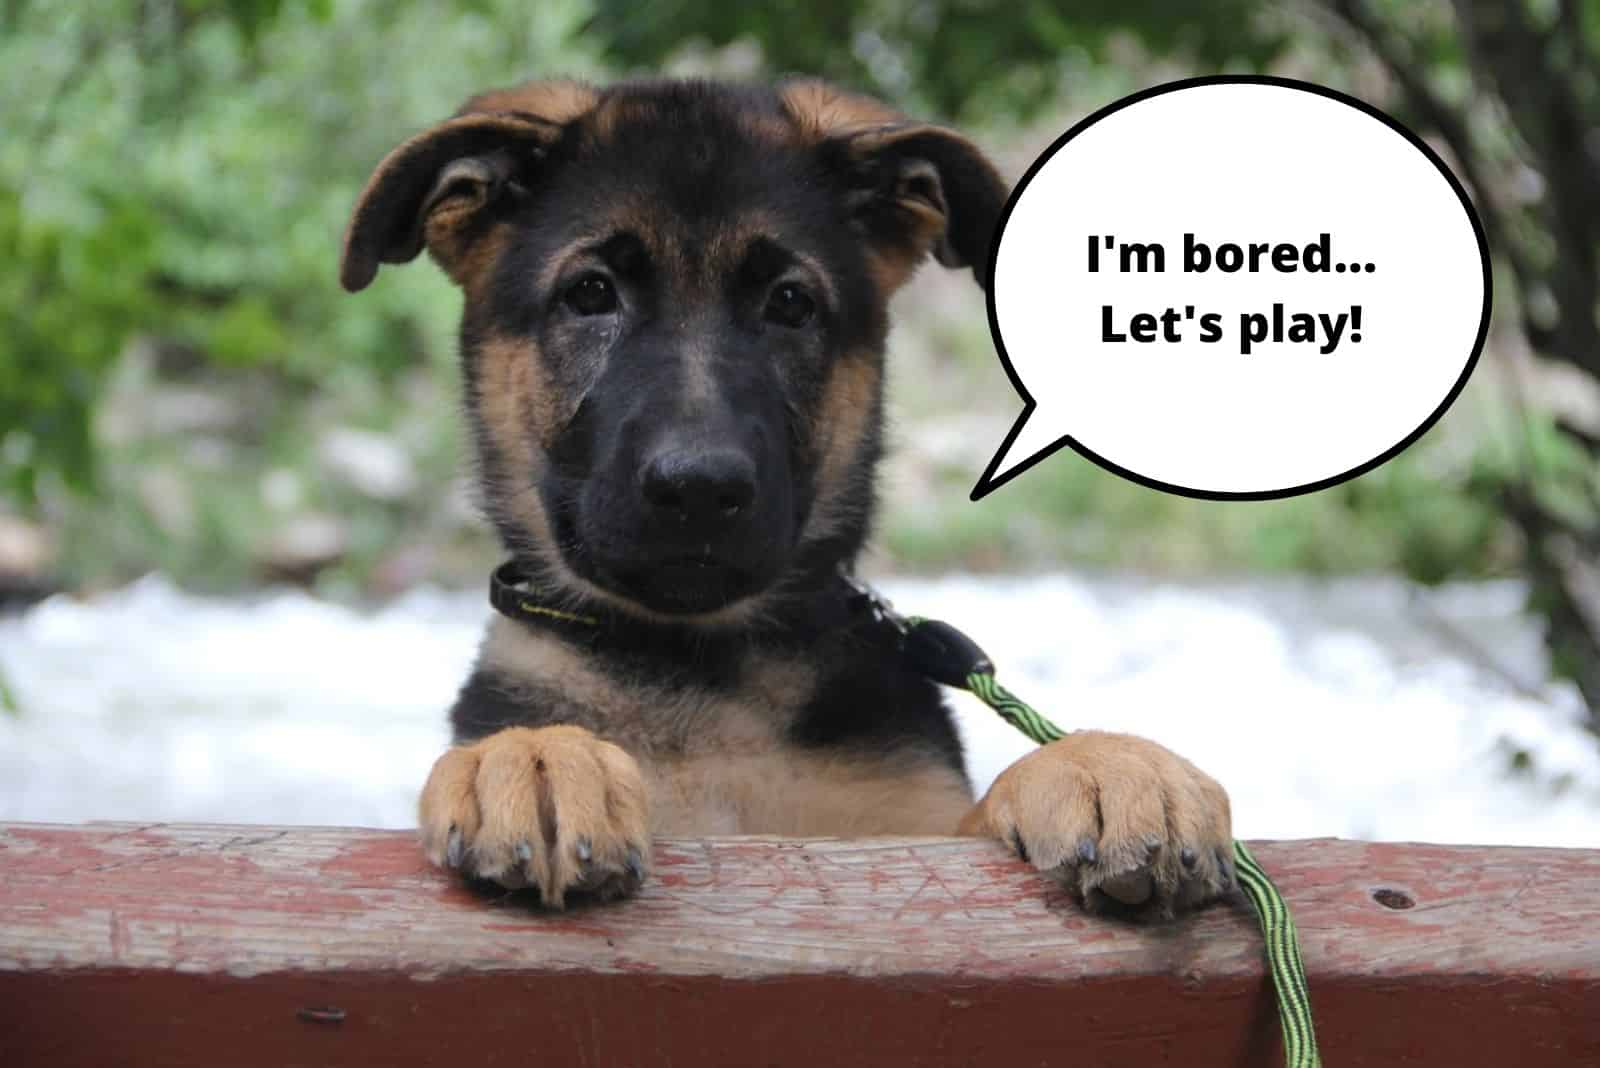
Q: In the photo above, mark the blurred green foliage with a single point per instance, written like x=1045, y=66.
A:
x=966, y=59
x=1431, y=513
x=182, y=170
x=1398, y=518
x=175, y=177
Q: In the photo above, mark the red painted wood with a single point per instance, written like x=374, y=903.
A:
x=177, y=945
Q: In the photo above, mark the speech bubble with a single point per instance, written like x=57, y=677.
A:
x=1235, y=288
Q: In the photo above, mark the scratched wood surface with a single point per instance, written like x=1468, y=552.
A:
x=168, y=944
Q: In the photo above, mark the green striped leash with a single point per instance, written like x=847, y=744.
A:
x=1277, y=926
x=944, y=654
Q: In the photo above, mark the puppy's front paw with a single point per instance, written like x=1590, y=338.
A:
x=1126, y=825
x=551, y=807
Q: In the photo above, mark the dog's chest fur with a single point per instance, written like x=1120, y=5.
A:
x=728, y=759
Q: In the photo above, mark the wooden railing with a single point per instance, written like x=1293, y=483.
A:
x=245, y=946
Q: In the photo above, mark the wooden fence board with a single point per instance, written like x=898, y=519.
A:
x=191, y=945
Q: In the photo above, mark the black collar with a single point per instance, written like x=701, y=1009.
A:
x=937, y=650
x=510, y=596
x=837, y=603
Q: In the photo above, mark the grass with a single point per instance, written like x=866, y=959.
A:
x=1068, y=511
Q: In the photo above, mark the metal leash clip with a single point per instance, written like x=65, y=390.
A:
x=934, y=647
x=876, y=603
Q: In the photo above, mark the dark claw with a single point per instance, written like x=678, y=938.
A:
x=1226, y=867
x=1153, y=845
x=455, y=849
x=635, y=864
x=584, y=850
x=1087, y=851
x=1018, y=845
x=1189, y=857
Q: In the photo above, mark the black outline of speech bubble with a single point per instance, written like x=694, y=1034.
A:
x=987, y=484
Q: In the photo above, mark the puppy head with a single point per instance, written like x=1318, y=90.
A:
x=674, y=321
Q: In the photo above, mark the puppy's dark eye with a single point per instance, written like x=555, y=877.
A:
x=593, y=294
x=790, y=305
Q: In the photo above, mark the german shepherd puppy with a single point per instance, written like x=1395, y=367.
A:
x=673, y=335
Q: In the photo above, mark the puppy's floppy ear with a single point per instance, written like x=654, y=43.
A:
x=913, y=188
x=434, y=188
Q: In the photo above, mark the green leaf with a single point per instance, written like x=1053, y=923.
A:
x=8, y=698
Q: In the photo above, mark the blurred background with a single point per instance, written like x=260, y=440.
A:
x=241, y=569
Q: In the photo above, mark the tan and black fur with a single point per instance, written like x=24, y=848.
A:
x=676, y=303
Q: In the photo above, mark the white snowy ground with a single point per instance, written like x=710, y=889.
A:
x=1361, y=708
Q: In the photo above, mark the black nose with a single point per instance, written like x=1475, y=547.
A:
x=701, y=490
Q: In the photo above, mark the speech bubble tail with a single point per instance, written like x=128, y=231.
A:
x=1031, y=439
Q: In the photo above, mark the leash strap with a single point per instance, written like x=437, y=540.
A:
x=1282, y=941
x=1283, y=960
x=946, y=655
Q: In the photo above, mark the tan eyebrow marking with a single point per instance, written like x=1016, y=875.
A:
x=760, y=231
x=822, y=277
x=587, y=244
